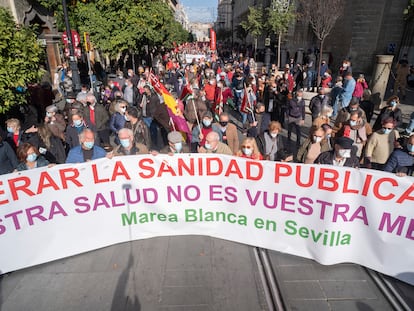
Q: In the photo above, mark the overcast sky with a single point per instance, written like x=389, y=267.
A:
x=200, y=10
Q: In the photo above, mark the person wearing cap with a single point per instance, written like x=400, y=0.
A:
x=342, y=155
x=176, y=144
x=127, y=146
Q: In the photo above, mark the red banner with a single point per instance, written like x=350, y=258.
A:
x=212, y=39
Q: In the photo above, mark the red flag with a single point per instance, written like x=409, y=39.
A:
x=245, y=105
x=212, y=39
x=186, y=92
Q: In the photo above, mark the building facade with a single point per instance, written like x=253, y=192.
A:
x=367, y=28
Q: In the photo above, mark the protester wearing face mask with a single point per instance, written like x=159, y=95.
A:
x=341, y=155
x=312, y=146
x=199, y=133
x=29, y=157
x=345, y=113
x=228, y=131
x=73, y=130
x=96, y=115
x=318, y=102
x=249, y=150
x=176, y=144
x=118, y=120
x=380, y=145
x=14, y=133
x=55, y=121
x=270, y=144
x=258, y=121
x=401, y=160
x=357, y=129
x=391, y=110
x=87, y=150
x=127, y=146
x=214, y=145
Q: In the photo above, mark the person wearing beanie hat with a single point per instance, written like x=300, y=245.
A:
x=343, y=154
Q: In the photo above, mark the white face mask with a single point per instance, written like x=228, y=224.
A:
x=317, y=139
x=299, y=98
x=247, y=151
x=344, y=153
x=274, y=135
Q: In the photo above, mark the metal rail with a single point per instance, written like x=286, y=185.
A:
x=272, y=292
x=389, y=291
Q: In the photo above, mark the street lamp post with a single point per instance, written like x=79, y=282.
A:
x=72, y=60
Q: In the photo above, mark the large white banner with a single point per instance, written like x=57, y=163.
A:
x=326, y=213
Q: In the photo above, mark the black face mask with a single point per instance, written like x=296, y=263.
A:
x=224, y=123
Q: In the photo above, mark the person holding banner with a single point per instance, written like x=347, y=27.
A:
x=127, y=145
x=270, y=144
x=341, y=155
x=214, y=145
x=29, y=157
x=176, y=144
x=87, y=150
x=249, y=150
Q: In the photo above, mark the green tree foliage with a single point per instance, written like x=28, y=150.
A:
x=117, y=26
x=280, y=14
x=254, y=24
x=20, y=54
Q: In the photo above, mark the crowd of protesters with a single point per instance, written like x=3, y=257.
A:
x=229, y=107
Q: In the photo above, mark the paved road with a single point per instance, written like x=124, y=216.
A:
x=187, y=273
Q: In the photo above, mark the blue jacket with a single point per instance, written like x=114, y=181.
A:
x=400, y=161
x=75, y=154
x=348, y=90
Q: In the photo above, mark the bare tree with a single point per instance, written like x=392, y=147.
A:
x=322, y=15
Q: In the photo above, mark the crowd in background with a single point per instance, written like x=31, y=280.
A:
x=228, y=107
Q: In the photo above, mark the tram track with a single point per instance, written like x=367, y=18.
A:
x=274, y=299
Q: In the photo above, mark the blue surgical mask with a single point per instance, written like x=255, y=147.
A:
x=387, y=131
x=178, y=146
x=393, y=103
x=49, y=114
x=125, y=142
x=31, y=157
x=89, y=144
x=77, y=123
x=126, y=118
x=207, y=146
x=206, y=122
x=10, y=129
x=353, y=122
x=410, y=148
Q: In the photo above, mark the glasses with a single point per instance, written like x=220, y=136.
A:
x=247, y=147
x=122, y=107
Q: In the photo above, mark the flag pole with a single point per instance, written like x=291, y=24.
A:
x=196, y=114
x=250, y=105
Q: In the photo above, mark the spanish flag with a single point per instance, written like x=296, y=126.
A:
x=160, y=89
x=177, y=119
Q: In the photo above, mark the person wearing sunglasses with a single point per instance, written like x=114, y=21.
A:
x=248, y=149
x=381, y=144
